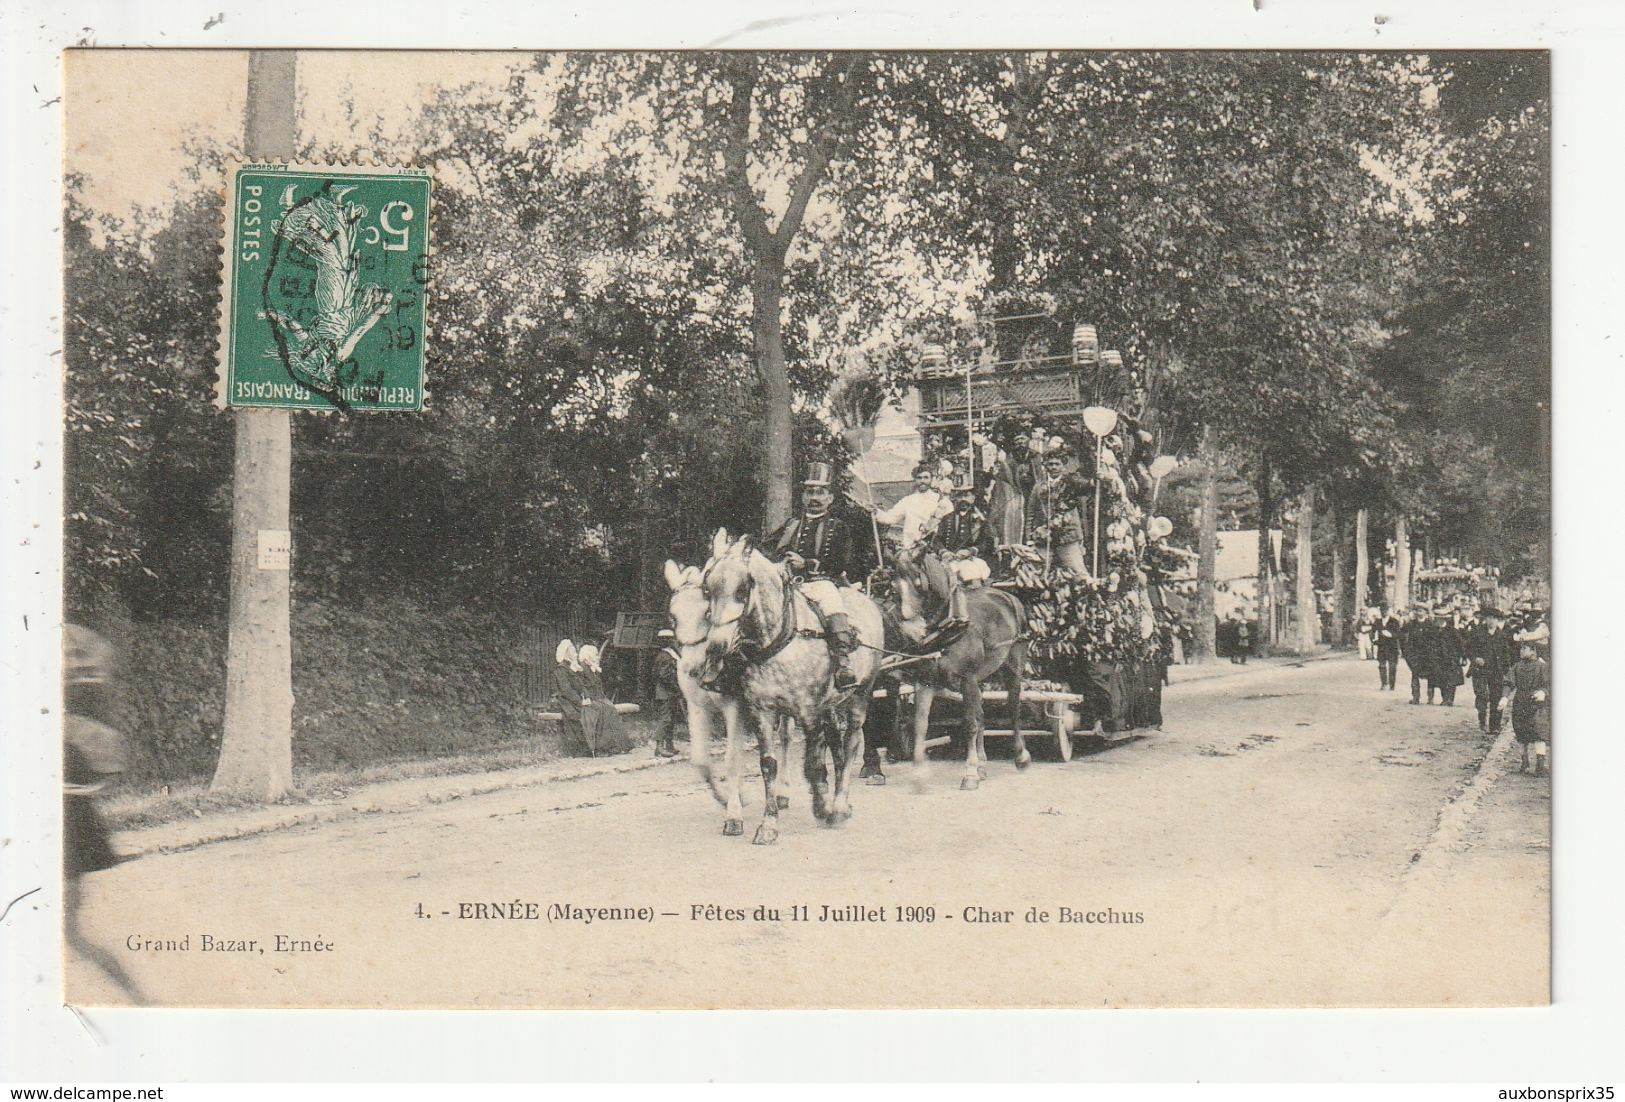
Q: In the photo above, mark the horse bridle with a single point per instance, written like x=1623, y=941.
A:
x=914, y=572
x=787, y=624
x=733, y=647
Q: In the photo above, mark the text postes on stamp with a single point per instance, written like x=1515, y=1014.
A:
x=325, y=287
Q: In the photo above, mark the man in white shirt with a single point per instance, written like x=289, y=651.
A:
x=917, y=514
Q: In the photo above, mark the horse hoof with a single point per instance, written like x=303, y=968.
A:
x=981, y=772
x=876, y=779
x=1024, y=759
x=784, y=802
x=765, y=835
x=969, y=784
x=733, y=827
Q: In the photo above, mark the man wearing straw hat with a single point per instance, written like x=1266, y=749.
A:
x=821, y=550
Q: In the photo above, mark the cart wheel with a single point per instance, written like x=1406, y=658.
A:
x=1063, y=735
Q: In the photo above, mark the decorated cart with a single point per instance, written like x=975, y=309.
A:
x=1098, y=638
x=1448, y=583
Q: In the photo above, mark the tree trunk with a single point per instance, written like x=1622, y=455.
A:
x=767, y=248
x=649, y=593
x=767, y=330
x=1308, y=613
x=1402, y=564
x=1264, y=487
x=1207, y=560
x=1009, y=243
x=256, y=743
x=1340, y=617
x=1362, y=562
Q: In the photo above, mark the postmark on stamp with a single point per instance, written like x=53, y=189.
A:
x=325, y=287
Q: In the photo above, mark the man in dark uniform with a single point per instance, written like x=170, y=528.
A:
x=1489, y=652
x=966, y=528
x=669, y=705
x=1385, y=636
x=824, y=553
x=965, y=539
x=1416, y=646
x=1449, y=654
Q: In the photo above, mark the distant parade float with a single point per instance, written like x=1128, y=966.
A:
x=1449, y=582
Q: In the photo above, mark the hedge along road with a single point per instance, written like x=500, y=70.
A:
x=1264, y=849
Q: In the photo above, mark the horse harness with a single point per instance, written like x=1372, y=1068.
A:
x=788, y=630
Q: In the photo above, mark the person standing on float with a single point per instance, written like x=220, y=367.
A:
x=917, y=514
x=1055, y=515
x=1006, y=503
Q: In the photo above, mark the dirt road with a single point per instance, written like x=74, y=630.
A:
x=1293, y=837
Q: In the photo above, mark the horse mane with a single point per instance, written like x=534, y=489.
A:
x=928, y=575
x=760, y=570
x=762, y=567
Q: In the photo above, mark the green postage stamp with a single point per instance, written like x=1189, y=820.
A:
x=325, y=287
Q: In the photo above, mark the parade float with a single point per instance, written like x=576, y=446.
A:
x=1452, y=583
x=1098, y=637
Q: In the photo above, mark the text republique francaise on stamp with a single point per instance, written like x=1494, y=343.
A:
x=325, y=281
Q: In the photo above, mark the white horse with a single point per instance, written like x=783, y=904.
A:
x=768, y=627
x=691, y=626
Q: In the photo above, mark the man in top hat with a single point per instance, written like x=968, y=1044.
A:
x=1490, y=658
x=917, y=514
x=822, y=550
x=1055, y=511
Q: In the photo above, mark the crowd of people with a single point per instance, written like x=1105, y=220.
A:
x=1505, y=657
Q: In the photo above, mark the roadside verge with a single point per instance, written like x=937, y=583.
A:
x=410, y=794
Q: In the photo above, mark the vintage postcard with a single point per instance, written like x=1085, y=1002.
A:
x=852, y=529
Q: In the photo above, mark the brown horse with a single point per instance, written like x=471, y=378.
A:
x=767, y=628
x=993, y=643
